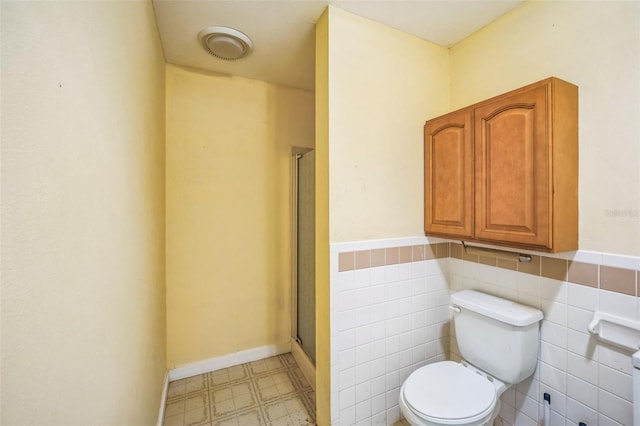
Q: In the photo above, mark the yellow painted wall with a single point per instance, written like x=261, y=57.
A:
x=375, y=87
x=228, y=229
x=595, y=45
x=323, y=330
x=83, y=301
x=383, y=85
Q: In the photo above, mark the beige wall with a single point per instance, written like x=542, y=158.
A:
x=228, y=211
x=323, y=306
x=83, y=302
x=595, y=45
x=383, y=84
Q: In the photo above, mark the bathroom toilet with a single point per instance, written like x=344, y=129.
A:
x=498, y=342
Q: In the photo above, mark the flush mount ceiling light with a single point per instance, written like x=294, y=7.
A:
x=225, y=43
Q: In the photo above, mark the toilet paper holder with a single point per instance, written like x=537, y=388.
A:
x=618, y=331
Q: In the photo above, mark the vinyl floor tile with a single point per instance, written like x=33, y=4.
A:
x=185, y=387
x=269, y=392
x=228, y=375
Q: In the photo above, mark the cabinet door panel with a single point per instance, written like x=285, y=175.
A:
x=512, y=169
x=449, y=175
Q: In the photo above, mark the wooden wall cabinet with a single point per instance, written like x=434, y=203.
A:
x=505, y=171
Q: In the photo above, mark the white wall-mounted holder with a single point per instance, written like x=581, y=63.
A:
x=618, y=331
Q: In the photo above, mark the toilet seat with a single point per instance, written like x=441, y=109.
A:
x=449, y=393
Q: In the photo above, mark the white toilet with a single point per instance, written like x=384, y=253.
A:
x=498, y=341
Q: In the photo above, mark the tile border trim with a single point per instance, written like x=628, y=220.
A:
x=583, y=268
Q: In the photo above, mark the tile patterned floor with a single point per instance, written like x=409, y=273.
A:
x=269, y=392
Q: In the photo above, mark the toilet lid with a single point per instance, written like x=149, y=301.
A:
x=449, y=391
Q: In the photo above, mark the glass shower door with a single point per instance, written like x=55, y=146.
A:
x=306, y=287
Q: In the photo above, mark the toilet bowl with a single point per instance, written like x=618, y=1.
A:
x=450, y=393
x=498, y=341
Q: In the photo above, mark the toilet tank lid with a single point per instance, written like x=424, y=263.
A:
x=497, y=308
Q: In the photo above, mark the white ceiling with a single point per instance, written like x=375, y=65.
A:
x=283, y=31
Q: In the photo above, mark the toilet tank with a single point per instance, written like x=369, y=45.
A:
x=497, y=335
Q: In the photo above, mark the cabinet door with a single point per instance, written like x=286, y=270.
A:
x=512, y=168
x=448, y=155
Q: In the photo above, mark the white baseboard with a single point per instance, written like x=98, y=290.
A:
x=165, y=387
x=305, y=364
x=225, y=361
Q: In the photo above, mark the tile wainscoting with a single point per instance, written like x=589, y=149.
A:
x=389, y=316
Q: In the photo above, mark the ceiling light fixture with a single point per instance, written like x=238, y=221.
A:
x=225, y=43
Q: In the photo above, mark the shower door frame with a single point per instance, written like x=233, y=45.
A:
x=307, y=366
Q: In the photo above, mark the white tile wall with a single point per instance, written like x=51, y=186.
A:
x=387, y=321
x=588, y=381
